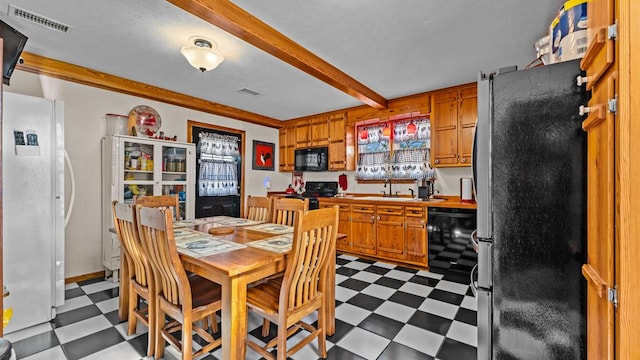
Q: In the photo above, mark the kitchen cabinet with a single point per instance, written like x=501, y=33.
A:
x=453, y=117
x=337, y=143
x=287, y=145
x=344, y=224
x=303, y=134
x=136, y=166
x=415, y=235
x=601, y=65
x=363, y=229
x=390, y=232
x=319, y=131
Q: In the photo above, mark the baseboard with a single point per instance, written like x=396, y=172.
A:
x=84, y=277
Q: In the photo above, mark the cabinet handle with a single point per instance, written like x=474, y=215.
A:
x=378, y=217
x=422, y=222
x=463, y=160
x=437, y=161
x=373, y=218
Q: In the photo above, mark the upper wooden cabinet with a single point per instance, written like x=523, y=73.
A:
x=338, y=144
x=453, y=119
x=287, y=142
x=320, y=131
x=303, y=133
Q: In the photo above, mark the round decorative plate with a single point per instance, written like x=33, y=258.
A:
x=145, y=118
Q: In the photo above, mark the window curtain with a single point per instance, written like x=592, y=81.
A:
x=218, y=165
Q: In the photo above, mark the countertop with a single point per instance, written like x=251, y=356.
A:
x=439, y=201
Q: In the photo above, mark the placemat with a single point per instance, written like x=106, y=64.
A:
x=279, y=244
x=205, y=246
x=272, y=228
x=233, y=221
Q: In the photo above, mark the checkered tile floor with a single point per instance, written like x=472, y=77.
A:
x=382, y=312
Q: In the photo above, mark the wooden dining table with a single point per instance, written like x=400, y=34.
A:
x=234, y=270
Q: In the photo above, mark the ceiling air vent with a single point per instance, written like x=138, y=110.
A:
x=38, y=19
x=249, y=92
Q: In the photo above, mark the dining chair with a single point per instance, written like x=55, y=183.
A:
x=287, y=300
x=139, y=284
x=259, y=208
x=284, y=210
x=185, y=299
x=160, y=201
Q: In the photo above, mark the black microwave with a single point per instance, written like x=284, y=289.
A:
x=312, y=159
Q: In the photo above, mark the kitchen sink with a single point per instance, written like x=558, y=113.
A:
x=396, y=199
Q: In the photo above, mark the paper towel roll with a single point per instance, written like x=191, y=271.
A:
x=466, y=189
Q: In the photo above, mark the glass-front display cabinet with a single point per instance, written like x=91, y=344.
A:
x=137, y=166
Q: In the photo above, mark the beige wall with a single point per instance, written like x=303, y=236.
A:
x=85, y=125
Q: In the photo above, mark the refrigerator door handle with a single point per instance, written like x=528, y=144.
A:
x=482, y=157
x=485, y=265
x=474, y=284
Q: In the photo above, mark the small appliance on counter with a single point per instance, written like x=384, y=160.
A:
x=425, y=191
x=466, y=190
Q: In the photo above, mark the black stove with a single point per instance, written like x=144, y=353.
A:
x=315, y=189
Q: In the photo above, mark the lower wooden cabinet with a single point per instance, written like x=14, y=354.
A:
x=416, y=235
x=392, y=232
x=363, y=229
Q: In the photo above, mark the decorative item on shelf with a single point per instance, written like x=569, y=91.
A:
x=364, y=134
x=144, y=120
x=202, y=54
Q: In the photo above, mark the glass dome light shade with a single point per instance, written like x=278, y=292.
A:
x=201, y=55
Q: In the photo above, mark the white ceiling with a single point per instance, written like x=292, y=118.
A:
x=394, y=47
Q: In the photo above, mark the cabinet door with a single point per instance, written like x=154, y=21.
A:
x=599, y=269
x=363, y=229
x=444, y=128
x=467, y=116
x=303, y=134
x=416, y=235
x=390, y=232
x=282, y=146
x=343, y=225
x=337, y=145
x=177, y=174
x=320, y=131
x=136, y=169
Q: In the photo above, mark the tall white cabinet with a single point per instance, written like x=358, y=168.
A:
x=135, y=166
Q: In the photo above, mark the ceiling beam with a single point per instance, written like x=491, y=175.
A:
x=61, y=70
x=236, y=21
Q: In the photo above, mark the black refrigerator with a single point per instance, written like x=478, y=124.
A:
x=530, y=177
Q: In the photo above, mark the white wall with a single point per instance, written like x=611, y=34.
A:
x=447, y=181
x=85, y=125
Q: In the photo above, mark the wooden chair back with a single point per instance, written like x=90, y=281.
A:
x=284, y=210
x=314, y=241
x=177, y=293
x=156, y=231
x=124, y=219
x=160, y=201
x=139, y=281
x=259, y=208
x=300, y=291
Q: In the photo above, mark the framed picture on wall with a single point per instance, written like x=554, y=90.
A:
x=263, y=155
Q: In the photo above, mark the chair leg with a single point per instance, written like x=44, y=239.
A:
x=322, y=334
x=159, y=339
x=153, y=332
x=282, y=342
x=133, y=304
x=265, y=327
x=187, y=338
x=214, y=323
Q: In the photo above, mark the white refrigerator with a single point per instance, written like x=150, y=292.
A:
x=33, y=208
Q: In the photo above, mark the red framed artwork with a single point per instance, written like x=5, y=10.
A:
x=263, y=155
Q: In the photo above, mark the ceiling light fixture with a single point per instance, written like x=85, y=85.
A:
x=202, y=54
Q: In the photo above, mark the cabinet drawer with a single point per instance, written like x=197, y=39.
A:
x=391, y=210
x=414, y=211
x=363, y=208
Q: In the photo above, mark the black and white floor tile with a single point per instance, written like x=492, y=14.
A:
x=383, y=312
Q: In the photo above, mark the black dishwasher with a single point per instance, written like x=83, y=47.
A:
x=449, y=238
